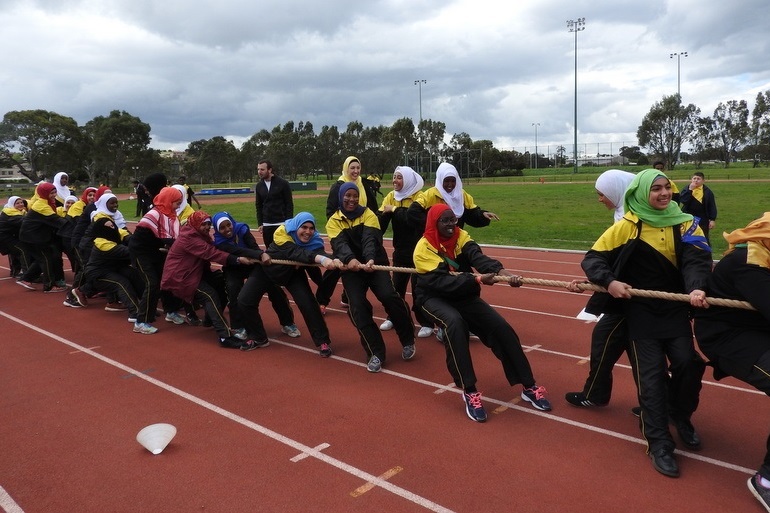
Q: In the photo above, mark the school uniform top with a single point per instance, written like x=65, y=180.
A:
x=433, y=277
x=359, y=238
x=10, y=224
x=40, y=225
x=274, y=205
x=405, y=234
x=704, y=208
x=110, y=245
x=333, y=200
x=735, y=338
x=653, y=259
x=283, y=247
x=418, y=210
x=189, y=256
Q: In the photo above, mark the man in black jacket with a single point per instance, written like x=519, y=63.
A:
x=273, y=200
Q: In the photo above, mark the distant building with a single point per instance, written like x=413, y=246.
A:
x=600, y=160
x=173, y=154
x=12, y=174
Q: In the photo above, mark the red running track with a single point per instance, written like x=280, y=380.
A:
x=281, y=429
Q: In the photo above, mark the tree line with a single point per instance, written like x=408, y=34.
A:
x=115, y=149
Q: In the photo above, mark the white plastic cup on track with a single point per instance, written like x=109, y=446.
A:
x=156, y=437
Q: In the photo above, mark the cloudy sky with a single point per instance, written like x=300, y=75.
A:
x=195, y=69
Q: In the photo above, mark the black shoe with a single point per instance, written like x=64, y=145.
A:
x=687, y=433
x=474, y=408
x=230, y=342
x=760, y=492
x=250, y=345
x=580, y=400
x=636, y=411
x=664, y=462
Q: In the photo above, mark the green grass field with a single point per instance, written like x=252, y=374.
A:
x=561, y=213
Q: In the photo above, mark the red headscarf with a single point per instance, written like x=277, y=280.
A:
x=44, y=193
x=84, y=196
x=101, y=190
x=445, y=247
x=197, y=218
x=164, y=200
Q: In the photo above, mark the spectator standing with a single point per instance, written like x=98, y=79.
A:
x=698, y=200
x=143, y=200
x=190, y=193
x=273, y=200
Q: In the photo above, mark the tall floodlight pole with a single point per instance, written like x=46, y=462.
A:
x=678, y=55
x=576, y=26
x=419, y=84
x=535, y=125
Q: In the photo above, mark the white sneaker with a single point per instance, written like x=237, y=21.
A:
x=291, y=330
x=144, y=328
x=175, y=318
x=387, y=325
x=425, y=332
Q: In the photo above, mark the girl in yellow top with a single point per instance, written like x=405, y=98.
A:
x=39, y=230
x=185, y=210
x=109, y=265
x=657, y=247
x=10, y=224
x=449, y=191
x=453, y=301
x=60, y=181
x=356, y=240
x=407, y=184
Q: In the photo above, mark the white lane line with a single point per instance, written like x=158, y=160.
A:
x=526, y=409
x=435, y=386
x=7, y=503
x=300, y=447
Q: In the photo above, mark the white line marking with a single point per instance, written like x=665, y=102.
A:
x=7, y=502
x=300, y=457
x=300, y=447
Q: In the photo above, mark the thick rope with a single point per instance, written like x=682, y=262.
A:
x=670, y=296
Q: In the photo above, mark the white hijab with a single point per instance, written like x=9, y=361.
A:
x=413, y=183
x=183, y=205
x=101, y=206
x=62, y=191
x=11, y=201
x=612, y=184
x=455, y=198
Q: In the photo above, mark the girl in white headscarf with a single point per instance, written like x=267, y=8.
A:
x=62, y=191
x=611, y=187
x=184, y=210
x=407, y=184
x=10, y=224
x=449, y=190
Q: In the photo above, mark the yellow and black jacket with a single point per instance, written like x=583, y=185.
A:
x=434, y=278
x=359, y=238
x=418, y=210
x=650, y=258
